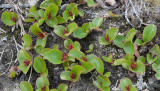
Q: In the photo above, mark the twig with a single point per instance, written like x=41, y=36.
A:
x=15, y=43
x=12, y=6
x=141, y=21
x=126, y=17
x=2, y=31
x=30, y=75
x=8, y=66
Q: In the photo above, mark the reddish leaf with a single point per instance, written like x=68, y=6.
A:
x=41, y=35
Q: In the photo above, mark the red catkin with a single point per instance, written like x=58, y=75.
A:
x=49, y=15
x=40, y=35
x=133, y=65
x=14, y=18
x=26, y=63
x=107, y=38
x=70, y=13
x=70, y=46
x=73, y=76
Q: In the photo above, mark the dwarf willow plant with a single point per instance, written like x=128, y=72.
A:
x=126, y=43
x=103, y=82
x=9, y=18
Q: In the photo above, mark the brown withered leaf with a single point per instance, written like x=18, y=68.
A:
x=111, y=2
x=136, y=52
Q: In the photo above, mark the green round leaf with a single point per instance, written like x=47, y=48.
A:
x=141, y=59
x=81, y=13
x=112, y=33
x=129, y=48
x=96, y=22
x=45, y=4
x=90, y=3
x=41, y=82
x=75, y=53
x=118, y=62
x=54, y=56
x=102, y=41
x=150, y=60
x=140, y=68
x=39, y=14
x=58, y=2
x=66, y=15
x=39, y=65
x=23, y=56
x=42, y=41
x=91, y=46
x=98, y=64
x=157, y=75
x=6, y=18
x=26, y=86
x=32, y=11
x=54, y=90
x=138, y=42
x=35, y=29
x=59, y=30
x=60, y=19
x=130, y=35
x=79, y=33
x=108, y=59
x=66, y=43
x=51, y=22
x=125, y=82
x=77, y=45
x=66, y=75
x=90, y=58
x=53, y=9
x=149, y=32
x=118, y=41
x=27, y=41
x=63, y=87
x=71, y=6
x=107, y=74
x=97, y=84
x=155, y=50
x=77, y=70
x=88, y=67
